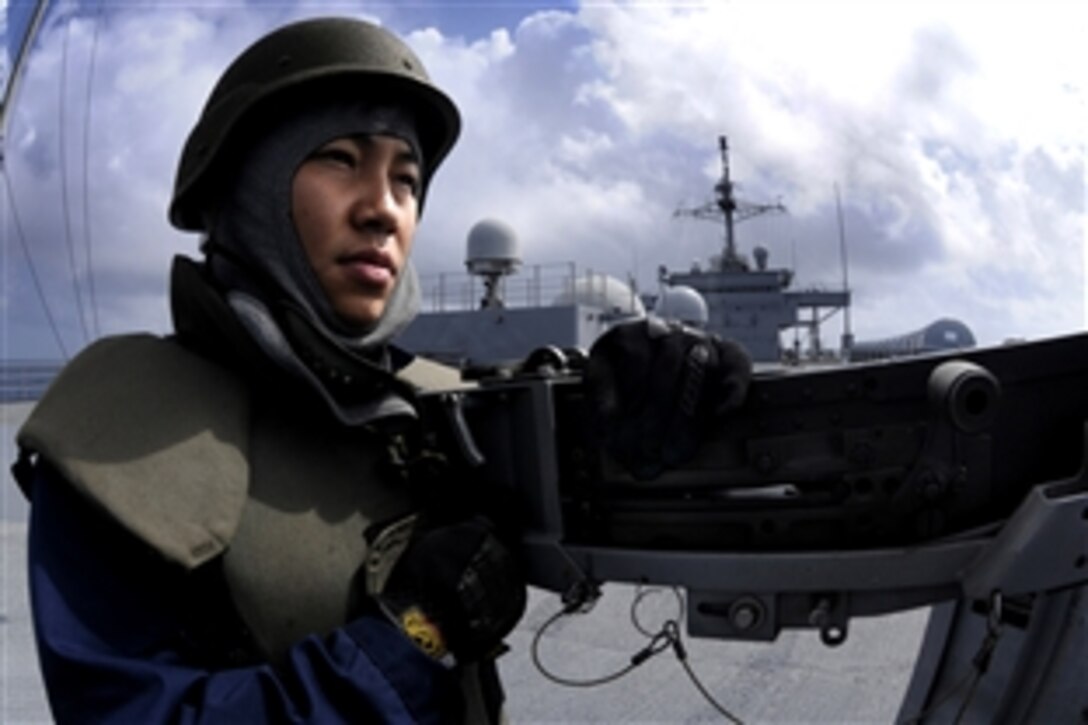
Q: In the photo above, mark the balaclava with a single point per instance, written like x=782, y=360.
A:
x=257, y=256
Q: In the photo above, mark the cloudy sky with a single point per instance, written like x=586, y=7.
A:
x=955, y=133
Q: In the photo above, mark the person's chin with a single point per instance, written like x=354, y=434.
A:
x=362, y=317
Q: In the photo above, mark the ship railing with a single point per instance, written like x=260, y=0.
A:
x=25, y=380
x=537, y=285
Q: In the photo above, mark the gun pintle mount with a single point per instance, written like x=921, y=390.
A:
x=832, y=493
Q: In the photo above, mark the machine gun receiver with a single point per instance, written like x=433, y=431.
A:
x=831, y=493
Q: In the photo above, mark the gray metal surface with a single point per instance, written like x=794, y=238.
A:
x=793, y=680
x=497, y=335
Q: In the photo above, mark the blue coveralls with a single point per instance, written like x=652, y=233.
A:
x=109, y=622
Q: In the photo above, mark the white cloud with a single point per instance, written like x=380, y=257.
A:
x=930, y=116
x=955, y=132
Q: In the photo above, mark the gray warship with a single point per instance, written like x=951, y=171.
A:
x=497, y=311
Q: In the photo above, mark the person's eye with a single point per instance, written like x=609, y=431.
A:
x=410, y=181
x=337, y=155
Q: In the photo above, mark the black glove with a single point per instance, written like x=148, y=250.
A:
x=456, y=590
x=654, y=385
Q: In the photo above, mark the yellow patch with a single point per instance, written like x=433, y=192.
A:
x=423, y=632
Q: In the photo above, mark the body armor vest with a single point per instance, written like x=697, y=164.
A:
x=176, y=450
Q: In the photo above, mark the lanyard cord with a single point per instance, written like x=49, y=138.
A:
x=980, y=663
x=668, y=636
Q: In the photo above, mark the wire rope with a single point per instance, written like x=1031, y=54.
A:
x=942, y=698
x=980, y=664
x=534, y=651
x=668, y=636
x=30, y=261
x=65, y=202
x=87, y=237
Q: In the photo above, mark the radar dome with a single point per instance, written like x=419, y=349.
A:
x=683, y=304
x=492, y=248
x=761, y=254
x=603, y=292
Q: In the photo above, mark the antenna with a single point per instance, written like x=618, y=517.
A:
x=847, y=335
x=796, y=327
x=729, y=209
x=6, y=102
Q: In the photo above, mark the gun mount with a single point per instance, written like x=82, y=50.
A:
x=832, y=493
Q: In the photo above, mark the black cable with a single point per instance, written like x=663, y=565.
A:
x=535, y=652
x=980, y=663
x=641, y=593
x=967, y=698
x=706, y=694
x=943, y=698
x=667, y=637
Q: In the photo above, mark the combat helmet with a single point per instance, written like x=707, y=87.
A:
x=350, y=56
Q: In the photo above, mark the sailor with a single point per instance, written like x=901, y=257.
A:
x=225, y=523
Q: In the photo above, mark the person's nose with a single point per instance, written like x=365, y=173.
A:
x=374, y=209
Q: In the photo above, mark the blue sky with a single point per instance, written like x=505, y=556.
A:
x=954, y=131
x=471, y=21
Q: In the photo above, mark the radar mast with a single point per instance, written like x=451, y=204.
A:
x=726, y=207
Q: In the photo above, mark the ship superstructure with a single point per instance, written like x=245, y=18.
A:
x=498, y=310
x=488, y=315
x=751, y=302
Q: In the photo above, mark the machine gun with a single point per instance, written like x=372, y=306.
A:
x=830, y=494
